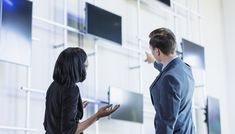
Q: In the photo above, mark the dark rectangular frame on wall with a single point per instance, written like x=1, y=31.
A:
x=16, y=31
x=167, y=2
x=131, y=108
x=213, y=115
x=193, y=54
x=104, y=24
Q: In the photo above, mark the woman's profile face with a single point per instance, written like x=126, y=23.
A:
x=83, y=71
x=86, y=64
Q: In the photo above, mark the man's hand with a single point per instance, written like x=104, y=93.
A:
x=149, y=58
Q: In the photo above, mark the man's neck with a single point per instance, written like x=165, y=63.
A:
x=167, y=59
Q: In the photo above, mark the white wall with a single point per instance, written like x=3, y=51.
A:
x=229, y=32
x=114, y=61
x=216, y=77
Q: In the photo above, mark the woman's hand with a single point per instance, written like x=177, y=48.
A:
x=102, y=112
x=84, y=104
x=106, y=111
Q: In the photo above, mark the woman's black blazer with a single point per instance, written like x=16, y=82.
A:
x=63, y=109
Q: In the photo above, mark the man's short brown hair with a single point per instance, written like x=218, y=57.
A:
x=163, y=39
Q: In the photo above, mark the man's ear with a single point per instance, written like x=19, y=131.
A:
x=157, y=51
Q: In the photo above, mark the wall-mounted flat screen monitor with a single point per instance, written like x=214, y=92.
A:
x=16, y=31
x=131, y=108
x=213, y=116
x=167, y=2
x=104, y=24
x=193, y=54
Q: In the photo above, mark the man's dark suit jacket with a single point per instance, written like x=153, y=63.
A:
x=171, y=94
x=63, y=109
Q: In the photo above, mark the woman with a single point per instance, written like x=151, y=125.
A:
x=64, y=107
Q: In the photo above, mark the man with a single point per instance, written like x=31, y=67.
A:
x=172, y=90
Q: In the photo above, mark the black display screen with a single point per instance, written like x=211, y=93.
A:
x=17, y=16
x=103, y=24
x=213, y=116
x=131, y=105
x=193, y=54
x=167, y=2
x=16, y=31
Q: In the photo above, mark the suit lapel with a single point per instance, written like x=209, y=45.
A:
x=154, y=82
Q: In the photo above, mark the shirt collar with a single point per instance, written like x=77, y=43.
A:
x=167, y=62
